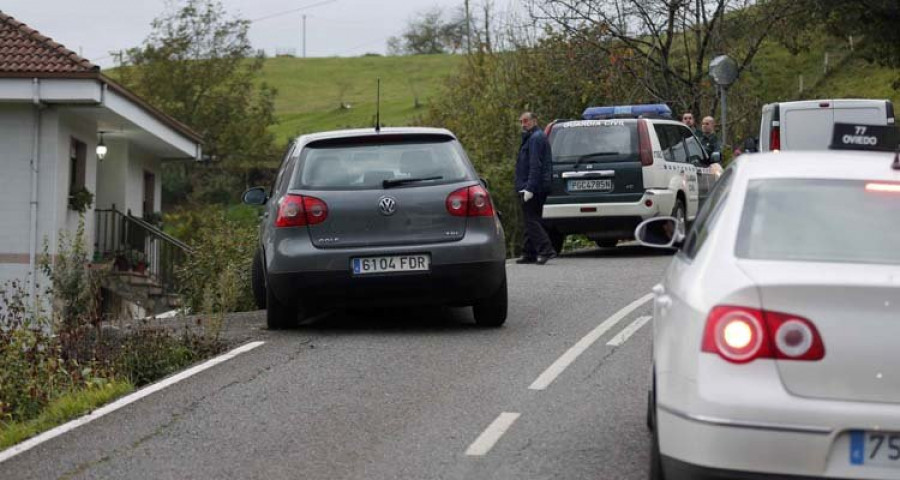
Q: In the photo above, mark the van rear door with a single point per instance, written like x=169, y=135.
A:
x=862, y=112
x=806, y=125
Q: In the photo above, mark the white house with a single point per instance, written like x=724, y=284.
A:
x=55, y=109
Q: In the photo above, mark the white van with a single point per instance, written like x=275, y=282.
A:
x=807, y=125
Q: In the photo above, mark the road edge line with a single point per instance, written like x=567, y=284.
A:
x=122, y=402
x=556, y=368
x=628, y=331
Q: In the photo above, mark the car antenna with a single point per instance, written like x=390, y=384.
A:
x=378, y=108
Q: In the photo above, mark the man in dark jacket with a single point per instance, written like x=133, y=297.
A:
x=533, y=171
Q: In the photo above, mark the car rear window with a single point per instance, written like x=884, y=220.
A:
x=593, y=140
x=821, y=221
x=365, y=166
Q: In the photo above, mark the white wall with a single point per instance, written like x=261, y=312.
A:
x=112, y=174
x=16, y=137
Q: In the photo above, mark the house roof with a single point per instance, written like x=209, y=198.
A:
x=24, y=52
x=24, y=49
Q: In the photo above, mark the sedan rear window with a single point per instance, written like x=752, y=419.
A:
x=593, y=140
x=367, y=166
x=821, y=221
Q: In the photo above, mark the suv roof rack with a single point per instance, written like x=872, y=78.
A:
x=655, y=110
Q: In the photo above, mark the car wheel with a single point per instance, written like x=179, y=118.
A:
x=606, y=243
x=650, y=410
x=679, y=211
x=258, y=280
x=656, y=469
x=491, y=312
x=278, y=315
x=557, y=240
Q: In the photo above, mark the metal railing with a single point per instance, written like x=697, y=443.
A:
x=136, y=245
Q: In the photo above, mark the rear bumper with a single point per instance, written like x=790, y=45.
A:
x=749, y=424
x=458, y=285
x=608, y=220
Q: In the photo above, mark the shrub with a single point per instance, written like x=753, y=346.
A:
x=215, y=278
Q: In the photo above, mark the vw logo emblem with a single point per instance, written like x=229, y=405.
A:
x=388, y=206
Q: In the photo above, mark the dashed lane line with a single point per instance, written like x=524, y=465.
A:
x=628, y=331
x=491, y=435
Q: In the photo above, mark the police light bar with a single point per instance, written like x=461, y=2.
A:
x=627, y=111
x=876, y=138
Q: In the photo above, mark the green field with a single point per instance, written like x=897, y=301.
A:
x=311, y=90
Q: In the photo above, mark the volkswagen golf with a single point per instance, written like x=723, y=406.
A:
x=378, y=217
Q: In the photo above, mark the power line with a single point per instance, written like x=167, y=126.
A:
x=294, y=10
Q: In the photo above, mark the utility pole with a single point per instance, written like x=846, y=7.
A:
x=304, y=36
x=468, y=30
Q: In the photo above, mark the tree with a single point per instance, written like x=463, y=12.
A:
x=198, y=66
x=429, y=32
x=665, y=45
x=878, y=21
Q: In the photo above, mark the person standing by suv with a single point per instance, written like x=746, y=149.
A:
x=687, y=118
x=709, y=140
x=533, y=172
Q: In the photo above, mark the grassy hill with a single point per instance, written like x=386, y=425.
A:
x=311, y=90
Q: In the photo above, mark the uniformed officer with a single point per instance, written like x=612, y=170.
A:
x=709, y=140
x=533, y=176
x=687, y=118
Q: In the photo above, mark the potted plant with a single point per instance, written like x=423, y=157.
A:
x=137, y=261
x=81, y=199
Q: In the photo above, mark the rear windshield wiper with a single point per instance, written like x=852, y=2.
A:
x=396, y=182
x=584, y=157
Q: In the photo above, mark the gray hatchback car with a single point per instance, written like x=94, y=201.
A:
x=394, y=217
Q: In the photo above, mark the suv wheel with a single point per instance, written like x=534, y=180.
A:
x=557, y=240
x=606, y=243
x=258, y=280
x=278, y=315
x=491, y=312
x=680, y=212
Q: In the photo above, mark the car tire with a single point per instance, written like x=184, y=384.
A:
x=606, y=243
x=258, y=280
x=680, y=212
x=278, y=315
x=650, y=422
x=656, y=468
x=492, y=311
x=557, y=240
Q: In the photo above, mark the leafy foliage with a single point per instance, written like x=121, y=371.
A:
x=216, y=277
x=430, y=32
x=199, y=67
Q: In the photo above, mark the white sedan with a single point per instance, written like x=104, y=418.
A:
x=776, y=329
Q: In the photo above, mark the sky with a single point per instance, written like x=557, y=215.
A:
x=334, y=27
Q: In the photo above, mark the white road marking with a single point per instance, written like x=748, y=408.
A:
x=489, y=437
x=554, y=370
x=628, y=331
x=122, y=402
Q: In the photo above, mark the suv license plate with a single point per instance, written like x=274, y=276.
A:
x=875, y=448
x=391, y=264
x=603, y=185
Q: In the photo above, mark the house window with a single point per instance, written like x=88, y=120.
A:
x=77, y=164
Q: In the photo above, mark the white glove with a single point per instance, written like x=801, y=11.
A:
x=526, y=195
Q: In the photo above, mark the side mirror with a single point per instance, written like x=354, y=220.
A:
x=716, y=157
x=660, y=232
x=255, y=196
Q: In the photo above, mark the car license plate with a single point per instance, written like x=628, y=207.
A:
x=600, y=185
x=391, y=264
x=875, y=448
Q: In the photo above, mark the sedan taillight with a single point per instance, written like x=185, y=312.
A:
x=741, y=335
x=299, y=211
x=472, y=201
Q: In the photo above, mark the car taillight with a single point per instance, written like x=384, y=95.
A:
x=471, y=201
x=741, y=335
x=645, y=147
x=775, y=138
x=299, y=211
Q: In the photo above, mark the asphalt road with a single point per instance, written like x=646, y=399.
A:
x=402, y=394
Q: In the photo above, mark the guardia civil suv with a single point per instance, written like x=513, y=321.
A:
x=395, y=216
x=618, y=166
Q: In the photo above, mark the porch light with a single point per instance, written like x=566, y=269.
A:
x=101, y=148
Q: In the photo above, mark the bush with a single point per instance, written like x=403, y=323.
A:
x=215, y=278
x=149, y=354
